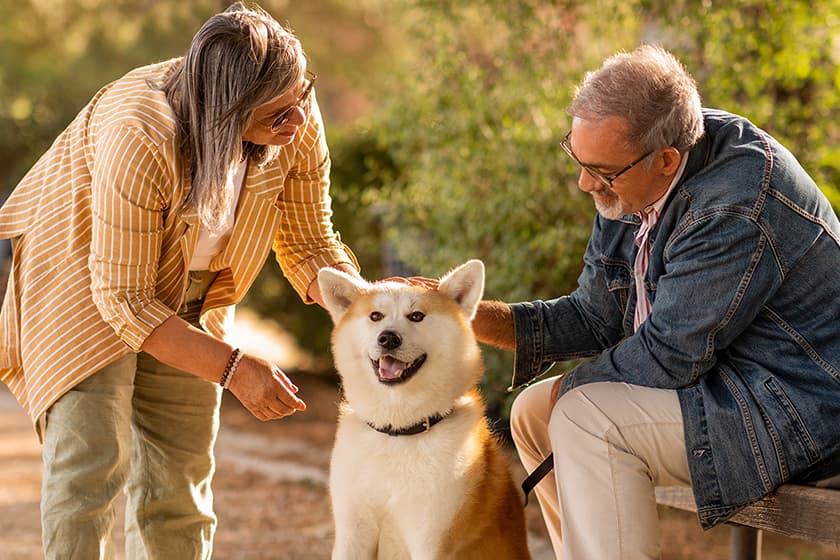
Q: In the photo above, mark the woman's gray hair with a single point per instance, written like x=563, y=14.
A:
x=652, y=90
x=238, y=60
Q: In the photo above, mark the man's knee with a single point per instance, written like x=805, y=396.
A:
x=580, y=412
x=530, y=411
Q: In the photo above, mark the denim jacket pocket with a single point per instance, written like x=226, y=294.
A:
x=793, y=424
x=619, y=278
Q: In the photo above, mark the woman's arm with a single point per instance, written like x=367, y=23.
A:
x=258, y=384
x=306, y=240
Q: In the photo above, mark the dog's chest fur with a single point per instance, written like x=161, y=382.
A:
x=408, y=483
x=435, y=464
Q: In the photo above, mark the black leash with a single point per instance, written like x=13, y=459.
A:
x=535, y=477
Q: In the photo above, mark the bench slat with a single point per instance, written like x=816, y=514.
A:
x=802, y=512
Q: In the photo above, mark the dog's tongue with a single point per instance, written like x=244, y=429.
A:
x=391, y=368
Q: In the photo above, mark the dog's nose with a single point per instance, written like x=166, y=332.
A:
x=389, y=340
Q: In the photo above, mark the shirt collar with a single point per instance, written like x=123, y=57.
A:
x=656, y=208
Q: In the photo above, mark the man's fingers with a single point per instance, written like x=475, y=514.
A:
x=428, y=283
x=399, y=279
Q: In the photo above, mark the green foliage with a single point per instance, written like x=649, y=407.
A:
x=55, y=54
x=444, y=117
x=773, y=62
x=471, y=122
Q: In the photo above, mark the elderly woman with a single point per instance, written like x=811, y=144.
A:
x=134, y=236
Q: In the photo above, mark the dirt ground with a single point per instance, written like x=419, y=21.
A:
x=271, y=490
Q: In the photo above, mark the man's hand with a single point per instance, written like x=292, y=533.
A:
x=264, y=389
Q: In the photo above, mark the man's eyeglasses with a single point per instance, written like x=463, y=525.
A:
x=606, y=180
x=302, y=101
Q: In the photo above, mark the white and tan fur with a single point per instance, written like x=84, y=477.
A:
x=444, y=493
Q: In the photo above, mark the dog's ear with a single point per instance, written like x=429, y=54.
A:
x=465, y=285
x=339, y=290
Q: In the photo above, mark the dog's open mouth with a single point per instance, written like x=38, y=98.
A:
x=391, y=370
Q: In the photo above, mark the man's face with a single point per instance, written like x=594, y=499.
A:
x=599, y=146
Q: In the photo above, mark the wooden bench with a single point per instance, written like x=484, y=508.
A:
x=803, y=512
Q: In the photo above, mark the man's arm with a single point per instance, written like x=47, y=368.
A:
x=493, y=324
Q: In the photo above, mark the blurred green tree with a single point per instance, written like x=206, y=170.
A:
x=472, y=119
x=55, y=54
x=444, y=116
x=777, y=63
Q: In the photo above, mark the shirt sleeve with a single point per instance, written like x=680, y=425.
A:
x=127, y=205
x=306, y=240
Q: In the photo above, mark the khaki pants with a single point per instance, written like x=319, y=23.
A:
x=143, y=426
x=613, y=443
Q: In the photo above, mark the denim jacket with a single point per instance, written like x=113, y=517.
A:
x=745, y=319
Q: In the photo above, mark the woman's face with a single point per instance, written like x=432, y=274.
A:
x=276, y=122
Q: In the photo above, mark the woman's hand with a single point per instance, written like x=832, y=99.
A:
x=419, y=281
x=264, y=389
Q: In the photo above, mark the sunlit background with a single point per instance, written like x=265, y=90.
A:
x=443, y=117
x=443, y=120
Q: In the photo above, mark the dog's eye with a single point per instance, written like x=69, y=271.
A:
x=376, y=316
x=416, y=316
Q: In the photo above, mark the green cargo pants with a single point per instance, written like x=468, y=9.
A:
x=141, y=426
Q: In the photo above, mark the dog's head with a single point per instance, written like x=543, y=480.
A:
x=401, y=345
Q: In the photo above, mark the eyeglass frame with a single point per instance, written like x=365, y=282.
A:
x=606, y=180
x=283, y=117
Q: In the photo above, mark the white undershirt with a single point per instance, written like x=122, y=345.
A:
x=210, y=243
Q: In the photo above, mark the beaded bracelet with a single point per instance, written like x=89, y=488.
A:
x=230, y=368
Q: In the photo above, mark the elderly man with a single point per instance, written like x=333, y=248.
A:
x=704, y=304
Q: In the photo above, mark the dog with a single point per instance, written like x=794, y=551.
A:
x=415, y=470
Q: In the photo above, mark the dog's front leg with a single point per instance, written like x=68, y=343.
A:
x=426, y=542
x=356, y=536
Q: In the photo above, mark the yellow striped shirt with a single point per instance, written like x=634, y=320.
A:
x=101, y=259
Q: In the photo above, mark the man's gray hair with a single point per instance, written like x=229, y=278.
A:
x=652, y=90
x=238, y=60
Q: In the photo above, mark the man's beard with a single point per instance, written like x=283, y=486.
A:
x=609, y=206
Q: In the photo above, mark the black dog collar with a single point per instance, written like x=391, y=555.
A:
x=419, y=428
